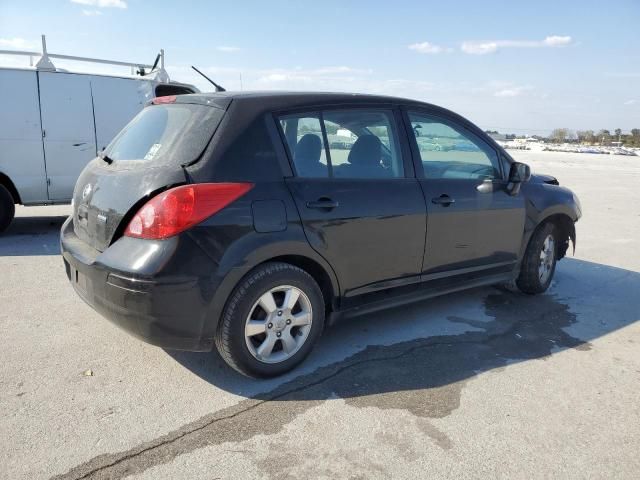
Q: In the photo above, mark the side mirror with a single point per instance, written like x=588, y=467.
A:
x=519, y=173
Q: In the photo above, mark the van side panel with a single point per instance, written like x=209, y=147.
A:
x=69, y=130
x=21, y=151
x=115, y=102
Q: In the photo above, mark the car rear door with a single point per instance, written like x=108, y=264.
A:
x=361, y=207
x=473, y=222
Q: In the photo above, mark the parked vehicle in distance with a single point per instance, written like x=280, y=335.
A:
x=54, y=122
x=229, y=220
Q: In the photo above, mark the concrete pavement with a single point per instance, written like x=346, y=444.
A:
x=476, y=384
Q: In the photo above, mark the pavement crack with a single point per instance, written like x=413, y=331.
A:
x=452, y=360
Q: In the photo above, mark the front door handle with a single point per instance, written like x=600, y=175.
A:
x=323, y=204
x=444, y=200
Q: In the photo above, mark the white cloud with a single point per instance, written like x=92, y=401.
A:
x=557, y=40
x=102, y=3
x=426, y=47
x=17, y=43
x=227, y=49
x=91, y=13
x=485, y=47
x=630, y=102
x=514, y=91
x=322, y=76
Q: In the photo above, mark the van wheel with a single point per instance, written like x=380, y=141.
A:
x=271, y=321
x=7, y=208
x=539, y=262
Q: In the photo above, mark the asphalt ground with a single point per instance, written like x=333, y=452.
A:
x=484, y=383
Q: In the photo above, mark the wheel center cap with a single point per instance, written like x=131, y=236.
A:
x=279, y=323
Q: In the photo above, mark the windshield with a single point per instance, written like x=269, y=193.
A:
x=172, y=133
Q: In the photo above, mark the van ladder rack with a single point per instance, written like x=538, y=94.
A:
x=44, y=63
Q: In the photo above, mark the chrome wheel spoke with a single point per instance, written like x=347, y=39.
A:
x=291, y=298
x=288, y=343
x=268, y=303
x=255, y=327
x=301, y=319
x=266, y=347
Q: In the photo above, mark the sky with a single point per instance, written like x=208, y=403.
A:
x=512, y=66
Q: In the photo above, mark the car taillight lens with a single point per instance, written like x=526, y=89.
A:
x=163, y=100
x=180, y=208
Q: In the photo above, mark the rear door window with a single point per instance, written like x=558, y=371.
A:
x=172, y=133
x=305, y=144
x=349, y=143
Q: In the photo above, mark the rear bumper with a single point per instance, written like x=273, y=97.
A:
x=145, y=287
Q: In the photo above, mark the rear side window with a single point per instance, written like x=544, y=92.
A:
x=353, y=143
x=173, y=133
x=305, y=143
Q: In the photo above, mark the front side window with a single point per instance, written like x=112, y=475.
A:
x=449, y=151
x=361, y=143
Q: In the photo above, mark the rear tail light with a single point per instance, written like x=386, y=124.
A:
x=165, y=99
x=180, y=208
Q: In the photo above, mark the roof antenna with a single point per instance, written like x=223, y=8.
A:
x=218, y=87
x=155, y=64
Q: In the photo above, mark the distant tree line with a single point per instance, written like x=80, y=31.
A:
x=601, y=137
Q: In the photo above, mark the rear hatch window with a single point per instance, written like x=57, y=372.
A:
x=147, y=156
x=170, y=133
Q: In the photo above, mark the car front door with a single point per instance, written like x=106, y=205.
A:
x=473, y=222
x=361, y=207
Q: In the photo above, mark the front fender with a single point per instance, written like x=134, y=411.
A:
x=544, y=201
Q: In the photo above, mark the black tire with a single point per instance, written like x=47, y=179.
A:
x=230, y=336
x=7, y=208
x=529, y=281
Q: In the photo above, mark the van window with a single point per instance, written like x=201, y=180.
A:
x=171, y=133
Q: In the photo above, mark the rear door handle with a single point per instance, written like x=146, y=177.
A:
x=444, y=200
x=323, y=204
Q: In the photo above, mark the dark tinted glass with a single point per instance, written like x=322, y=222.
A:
x=304, y=140
x=450, y=151
x=175, y=133
x=362, y=144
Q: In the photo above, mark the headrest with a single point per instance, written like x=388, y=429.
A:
x=366, y=150
x=308, y=149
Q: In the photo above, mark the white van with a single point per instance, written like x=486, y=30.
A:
x=53, y=122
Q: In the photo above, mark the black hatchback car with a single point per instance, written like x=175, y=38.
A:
x=250, y=221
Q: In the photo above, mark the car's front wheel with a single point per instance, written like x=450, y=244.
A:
x=539, y=262
x=271, y=321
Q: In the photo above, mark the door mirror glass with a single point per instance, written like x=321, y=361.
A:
x=519, y=172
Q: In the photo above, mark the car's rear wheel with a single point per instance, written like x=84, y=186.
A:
x=271, y=321
x=7, y=208
x=539, y=262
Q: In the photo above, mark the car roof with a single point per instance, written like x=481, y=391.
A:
x=255, y=103
x=283, y=100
